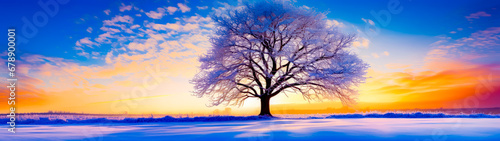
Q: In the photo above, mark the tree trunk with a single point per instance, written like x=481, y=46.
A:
x=264, y=106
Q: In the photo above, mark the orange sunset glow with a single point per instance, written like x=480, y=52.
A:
x=141, y=61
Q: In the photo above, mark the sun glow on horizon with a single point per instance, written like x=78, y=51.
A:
x=142, y=59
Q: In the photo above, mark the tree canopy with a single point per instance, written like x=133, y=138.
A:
x=268, y=48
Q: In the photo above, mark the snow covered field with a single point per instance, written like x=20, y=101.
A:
x=414, y=129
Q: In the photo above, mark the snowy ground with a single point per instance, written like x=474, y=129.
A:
x=414, y=129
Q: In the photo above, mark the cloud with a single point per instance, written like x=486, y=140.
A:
x=202, y=7
x=334, y=23
x=376, y=55
x=477, y=15
x=83, y=53
x=445, y=88
x=368, y=21
x=184, y=8
x=361, y=43
x=148, y=44
x=107, y=29
x=158, y=14
x=453, y=32
x=85, y=42
x=162, y=11
x=135, y=26
x=447, y=53
x=171, y=10
x=117, y=19
x=197, y=19
x=127, y=48
x=104, y=38
x=175, y=26
x=107, y=11
x=124, y=7
x=117, y=24
x=89, y=30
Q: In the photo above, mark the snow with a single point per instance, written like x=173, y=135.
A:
x=82, y=119
x=389, y=126
x=96, y=120
x=276, y=129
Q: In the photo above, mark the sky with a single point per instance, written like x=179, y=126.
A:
x=138, y=57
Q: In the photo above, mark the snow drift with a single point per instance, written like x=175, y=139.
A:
x=46, y=120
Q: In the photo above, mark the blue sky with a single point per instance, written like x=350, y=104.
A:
x=422, y=19
x=95, y=47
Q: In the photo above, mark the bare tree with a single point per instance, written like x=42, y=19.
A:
x=268, y=48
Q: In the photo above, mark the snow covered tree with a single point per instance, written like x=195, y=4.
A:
x=268, y=48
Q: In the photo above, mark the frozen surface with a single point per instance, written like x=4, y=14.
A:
x=90, y=119
x=414, y=129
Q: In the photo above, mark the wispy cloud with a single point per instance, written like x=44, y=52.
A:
x=158, y=14
x=439, y=87
x=202, y=7
x=386, y=53
x=127, y=49
x=107, y=11
x=184, y=8
x=368, y=21
x=89, y=30
x=361, y=43
x=477, y=15
x=446, y=53
x=171, y=10
x=124, y=7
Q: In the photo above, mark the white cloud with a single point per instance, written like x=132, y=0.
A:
x=150, y=43
x=334, y=23
x=158, y=14
x=107, y=11
x=108, y=59
x=118, y=18
x=135, y=26
x=125, y=7
x=83, y=53
x=108, y=29
x=386, y=53
x=89, y=30
x=129, y=58
x=174, y=26
x=361, y=43
x=85, y=41
x=116, y=24
x=477, y=15
x=479, y=44
x=202, y=7
x=368, y=21
x=104, y=38
x=184, y=8
x=171, y=10
x=196, y=19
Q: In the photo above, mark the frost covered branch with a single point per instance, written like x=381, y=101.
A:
x=264, y=49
